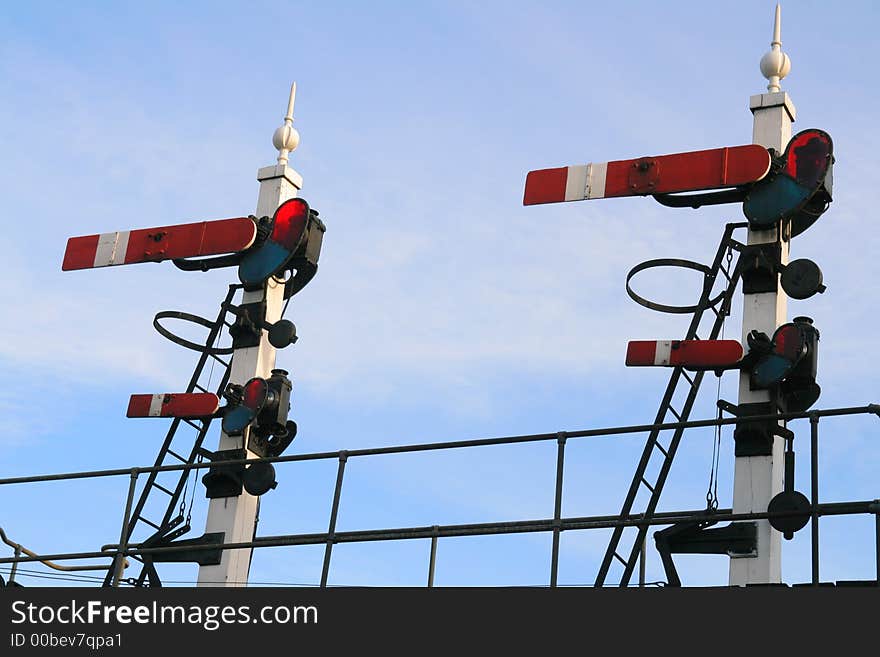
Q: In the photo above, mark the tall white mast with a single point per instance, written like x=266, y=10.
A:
x=236, y=516
x=757, y=478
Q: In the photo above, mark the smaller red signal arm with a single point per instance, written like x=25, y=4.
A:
x=690, y=354
x=128, y=247
x=175, y=404
x=661, y=174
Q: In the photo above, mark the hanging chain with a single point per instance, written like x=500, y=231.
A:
x=192, y=498
x=183, y=497
x=211, y=371
x=712, y=492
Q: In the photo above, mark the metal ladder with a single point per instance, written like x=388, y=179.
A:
x=184, y=451
x=668, y=414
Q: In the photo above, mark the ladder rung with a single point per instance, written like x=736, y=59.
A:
x=620, y=559
x=162, y=488
x=661, y=448
x=671, y=410
x=195, y=426
x=219, y=360
x=151, y=524
x=196, y=385
x=650, y=487
x=178, y=457
x=688, y=377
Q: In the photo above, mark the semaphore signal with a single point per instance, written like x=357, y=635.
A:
x=784, y=186
x=276, y=252
x=663, y=174
x=182, y=405
x=690, y=354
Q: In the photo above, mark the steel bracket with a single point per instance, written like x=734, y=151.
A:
x=644, y=175
x=759, y=266
x=248, y=326
x=735, y=540
x=186, y=554
x=223, y=480
x=755, y=437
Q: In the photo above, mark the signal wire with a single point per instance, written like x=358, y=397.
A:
x=712, y=492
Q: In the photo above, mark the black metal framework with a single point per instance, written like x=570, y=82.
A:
x=555, y=524
x=161, y=530
x=153, y=540
x=720, y=307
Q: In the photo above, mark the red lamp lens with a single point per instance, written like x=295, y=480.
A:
x=789, y=343
x=291, y=218
x=255, y=394
x=809, y=155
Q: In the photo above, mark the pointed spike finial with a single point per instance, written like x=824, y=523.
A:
x=292, y=100
x=286, y=137
x=775, y=64
x=777, y=29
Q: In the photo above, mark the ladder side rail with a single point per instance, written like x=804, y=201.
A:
x=674, y=379
x=184, y=474
x=678, y=433
x=169, y=436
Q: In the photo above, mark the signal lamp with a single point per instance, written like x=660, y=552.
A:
x=289, y=225
x=790, y=364
x=799, y=190
x=263, y=403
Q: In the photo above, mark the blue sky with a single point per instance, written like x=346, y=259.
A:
x=442, y=309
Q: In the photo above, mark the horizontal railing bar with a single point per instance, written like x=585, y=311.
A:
x=458, y=444
x=510, y=527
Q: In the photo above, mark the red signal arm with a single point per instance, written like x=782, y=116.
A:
x=690, y=354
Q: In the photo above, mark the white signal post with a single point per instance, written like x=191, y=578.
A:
x=758, y=478
x=236, y=517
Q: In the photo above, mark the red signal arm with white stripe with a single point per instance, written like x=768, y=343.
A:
x=127, y=247
x=662, y=174
x=177, y=404
x=690, y=354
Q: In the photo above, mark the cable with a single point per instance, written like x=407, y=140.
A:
x=190, y=474
x=92, y=578
x=192, y=497
x=712, y=492
x=69, y=577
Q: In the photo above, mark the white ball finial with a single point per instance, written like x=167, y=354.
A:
x=286, y=138
x=775, y=64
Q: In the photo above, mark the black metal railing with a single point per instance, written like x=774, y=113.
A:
x=555, y=525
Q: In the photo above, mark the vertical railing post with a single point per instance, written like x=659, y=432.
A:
x=814, y=497
x=642, y=557
x=14, y=564
x=433, y=560
x=119, y=564
x=875, y=509
x=334, y=511
x=557, y=507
